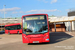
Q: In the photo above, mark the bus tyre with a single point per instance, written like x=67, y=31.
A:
x=9, y=33
x=18, y=32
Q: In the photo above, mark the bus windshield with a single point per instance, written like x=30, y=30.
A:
x=14, y=27
x=35, y=24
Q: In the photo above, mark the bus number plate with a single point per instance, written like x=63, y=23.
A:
x=35, y=41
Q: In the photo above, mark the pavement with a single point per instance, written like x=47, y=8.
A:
x=58, y=41
x=71, y=33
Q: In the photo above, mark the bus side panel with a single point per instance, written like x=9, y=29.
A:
x=48, y=26
x=20, y=31
x=24, y=39
x=6, y=31
x=13, y=31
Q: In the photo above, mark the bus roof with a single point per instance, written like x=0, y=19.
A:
x=12, y=24
x=33, y=14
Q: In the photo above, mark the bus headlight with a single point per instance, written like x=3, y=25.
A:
x=25, y=37
x=46, y=36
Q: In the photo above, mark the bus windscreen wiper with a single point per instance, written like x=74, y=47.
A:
x=27, y=30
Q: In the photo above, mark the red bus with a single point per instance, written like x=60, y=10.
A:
x=35, y=28
x=13, y=29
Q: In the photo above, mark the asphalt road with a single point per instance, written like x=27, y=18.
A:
x=58, y=41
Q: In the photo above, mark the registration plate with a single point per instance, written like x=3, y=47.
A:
x=35, y=41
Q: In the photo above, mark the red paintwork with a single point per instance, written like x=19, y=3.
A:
x=13, y=31
x=36, y=37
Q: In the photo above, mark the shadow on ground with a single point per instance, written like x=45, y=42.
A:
x=55, y=37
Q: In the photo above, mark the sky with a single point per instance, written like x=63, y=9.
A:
x=18, y=8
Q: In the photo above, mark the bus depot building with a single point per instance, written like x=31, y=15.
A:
x=62, y=24
x=56, y=24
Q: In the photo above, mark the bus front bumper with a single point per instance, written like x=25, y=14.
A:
x=36, y=40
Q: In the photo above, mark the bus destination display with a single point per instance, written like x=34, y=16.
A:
x=35, y=18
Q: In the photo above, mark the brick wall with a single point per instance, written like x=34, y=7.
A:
x=59, y=28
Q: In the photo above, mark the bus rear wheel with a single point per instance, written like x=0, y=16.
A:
x=18, y=32
x=9, y=33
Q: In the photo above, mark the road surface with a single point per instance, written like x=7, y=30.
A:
x=58, y=41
